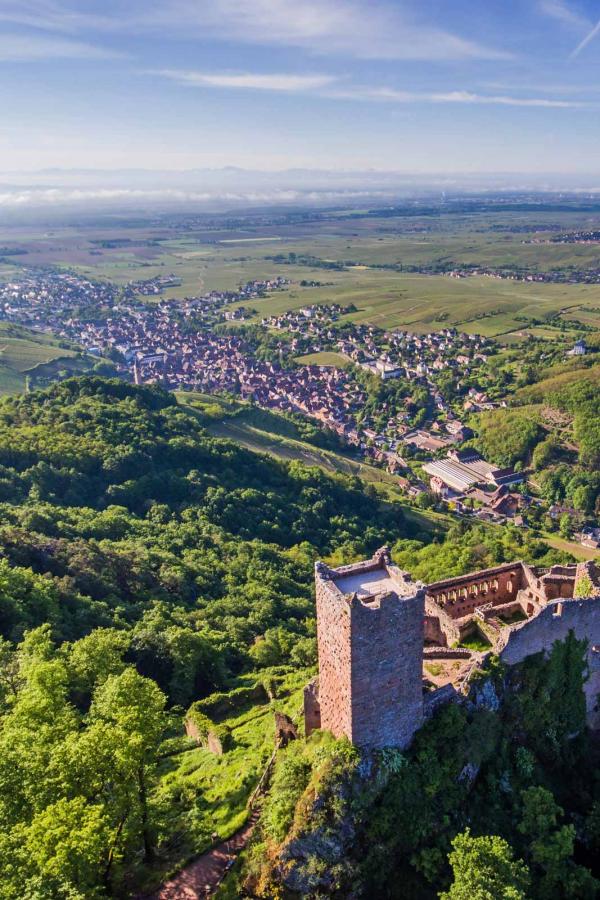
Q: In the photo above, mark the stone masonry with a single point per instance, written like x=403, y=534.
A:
x=370, y=638
x=373, y=622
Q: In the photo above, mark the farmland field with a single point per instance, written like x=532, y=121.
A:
x=28, y=353
x=364, y=258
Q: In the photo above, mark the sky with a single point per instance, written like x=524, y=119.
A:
x=414, y=86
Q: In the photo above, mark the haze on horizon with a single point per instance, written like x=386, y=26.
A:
x=379, y=93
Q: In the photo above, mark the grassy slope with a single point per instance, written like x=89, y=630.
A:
x=23, y=351
x=289, y=448
x=11, y=382
x=205, y=793
x=576, y=550
x=548, y=386
x=283, y=447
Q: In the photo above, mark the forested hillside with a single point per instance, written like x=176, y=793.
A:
x=145, y=565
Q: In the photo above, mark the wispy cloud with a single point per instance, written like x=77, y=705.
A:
x=47, y=15
x=31, y=47
x=463, y=97
x=587, y=39
x=379, y=29
x=563, y=12
x=328, y=86
x=363, y=30
x=250, y=81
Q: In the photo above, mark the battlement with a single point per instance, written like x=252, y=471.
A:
x=369, y=583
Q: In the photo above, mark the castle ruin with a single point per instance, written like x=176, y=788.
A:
x=378, y=632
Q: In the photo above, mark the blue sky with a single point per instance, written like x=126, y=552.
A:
x=409, y=85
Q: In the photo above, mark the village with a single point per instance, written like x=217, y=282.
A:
x=196, y=344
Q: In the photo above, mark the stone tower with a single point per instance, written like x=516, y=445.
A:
x=370, y=637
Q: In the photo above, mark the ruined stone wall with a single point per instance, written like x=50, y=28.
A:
x=438, y=620
x=312, y=707
x=433, y=632
x=460, y=596
x=387, y=670
x=554, y=623
x=334, y=649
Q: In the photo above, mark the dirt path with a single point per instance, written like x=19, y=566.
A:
x=202, y=877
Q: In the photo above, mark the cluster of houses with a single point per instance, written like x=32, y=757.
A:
x=308, y=320
x=387, y=354
x=151, y=287
x=40, y=300
x=558, y=276
x=172, y=342
x=45, y=299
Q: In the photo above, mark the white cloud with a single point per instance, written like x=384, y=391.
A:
x=564, y=13
x=31, y=47
x=61, y=197
x=48, y=15
x=392, y=95
x=567, y=15
x=326, y=86
x=349, y=27
x=250, y=80
x=378, y=29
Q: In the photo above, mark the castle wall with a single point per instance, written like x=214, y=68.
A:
x=312, y=707
x=373, y=620
x=553, y=623
x=387, y=671
x=437, y=620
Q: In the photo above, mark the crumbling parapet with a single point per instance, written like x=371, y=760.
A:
x=553, y=623
x=312, y=708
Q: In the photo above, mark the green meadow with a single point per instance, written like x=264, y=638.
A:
x=25, y=353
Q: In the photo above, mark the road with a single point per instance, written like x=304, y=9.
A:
x=202, y=877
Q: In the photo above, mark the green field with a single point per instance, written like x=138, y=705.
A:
x=222, y=254
x=576, y=550
x=424, y=303
x=21, y=354
x=324, y=358
x=11, y=381
x=27, y=353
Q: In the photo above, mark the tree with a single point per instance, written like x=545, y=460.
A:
x=135, y=707
x=565, y=525
x=584, y=498
x=68, y=844
x=95, y=657
x=545, y=453
x=550, y=849
x=484, y=868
